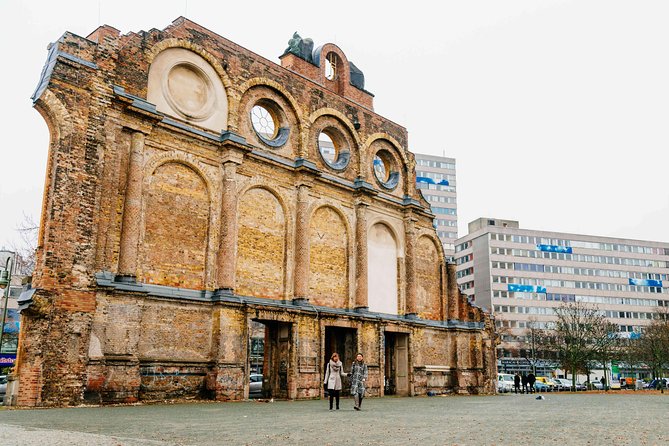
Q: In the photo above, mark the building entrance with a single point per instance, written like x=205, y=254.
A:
x=344, y=341
x=396, y=371
x=270, y=358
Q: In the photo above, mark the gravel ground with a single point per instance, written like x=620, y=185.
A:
x=560, y=419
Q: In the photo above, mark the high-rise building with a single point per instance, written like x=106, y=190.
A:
x=435, y=177
x=522, y=275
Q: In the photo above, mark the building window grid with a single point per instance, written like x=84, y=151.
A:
x=564, y=297
x=578, y=271
x=535, y=240
x=435, y=164
x=577, y=284
x=585, y=258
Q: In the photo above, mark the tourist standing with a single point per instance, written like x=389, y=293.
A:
x=531, y=379
x=333, y=378
x=358, y=378
x=516, y=382
x=524, y=381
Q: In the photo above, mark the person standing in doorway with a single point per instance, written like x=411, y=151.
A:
x=358, y=378
x=333, y=375
x=516, y=382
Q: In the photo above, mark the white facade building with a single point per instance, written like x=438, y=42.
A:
x=522, y=275
x=435, y=177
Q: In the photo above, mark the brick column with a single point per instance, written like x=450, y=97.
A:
x=361, y=256
x=453, y=292
x=127, y=262
x=301, y=276
x=410, y=264
x=228, y=236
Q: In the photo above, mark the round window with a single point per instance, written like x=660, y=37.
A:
x=330, y=148
x=267, y=119
x=264, y=121
x=385, y=170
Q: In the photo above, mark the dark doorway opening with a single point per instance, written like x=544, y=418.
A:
x=344, y=341
x=396, y=372
x=269, y=359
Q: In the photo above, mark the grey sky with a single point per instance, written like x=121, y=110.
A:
x=556, y=111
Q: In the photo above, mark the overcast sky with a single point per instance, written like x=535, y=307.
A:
x=557, y=112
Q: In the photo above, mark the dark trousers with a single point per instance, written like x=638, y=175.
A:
x=516, y=387
x=334, y=395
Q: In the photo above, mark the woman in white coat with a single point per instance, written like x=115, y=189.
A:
x=333, y=378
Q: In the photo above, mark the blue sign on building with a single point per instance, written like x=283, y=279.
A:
x=7, y=359
x=646, y=282
x=516, y=287
x=555, y=248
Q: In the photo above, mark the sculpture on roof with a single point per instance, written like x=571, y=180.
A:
x=300, y=47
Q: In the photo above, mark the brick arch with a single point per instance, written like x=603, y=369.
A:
x=152, y=52
x=262, y=228
x=179, y=157
x=406, y=165
x=59, y=122
x=55, y=114
x=329, y=254
x=339, y=116
x=176, y=222
x=219, y=114
x=280, y=90
x=344, y=68
x=258, y=89
x=428, y=263
x=324, y=118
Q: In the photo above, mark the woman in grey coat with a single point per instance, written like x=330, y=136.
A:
x=358, y=378
x=333, y=375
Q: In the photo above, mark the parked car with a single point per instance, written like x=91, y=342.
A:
x=541, y=387
x=657, y=383
x=255, y=385
x=548, y=382
x=558, y=385
x=596, y=385
x=567, y=385
x=504, y=382
x=3, y=387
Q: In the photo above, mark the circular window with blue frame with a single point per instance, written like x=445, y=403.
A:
x=333, y=149
x=269, y=123
x=385, y=170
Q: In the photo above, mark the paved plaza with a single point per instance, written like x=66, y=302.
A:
x=560, y=419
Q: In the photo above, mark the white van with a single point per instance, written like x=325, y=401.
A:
x=504, y=383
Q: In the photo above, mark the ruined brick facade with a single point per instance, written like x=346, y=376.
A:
x=171, y=223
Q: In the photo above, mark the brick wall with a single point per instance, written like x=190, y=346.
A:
x=162, y=238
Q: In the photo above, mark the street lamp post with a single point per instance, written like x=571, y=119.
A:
x=5, y=281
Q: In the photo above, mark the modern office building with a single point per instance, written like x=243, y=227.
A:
x=435, y=177
x=521, y=275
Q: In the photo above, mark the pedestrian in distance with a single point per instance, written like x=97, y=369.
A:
x=516, y=382
x=531, y=379
x=333, y=378
x=524, y=381
x=358, y=376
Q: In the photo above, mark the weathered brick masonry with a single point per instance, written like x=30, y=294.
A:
x=171, y=223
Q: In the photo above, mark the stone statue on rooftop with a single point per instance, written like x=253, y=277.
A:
x=300, y=47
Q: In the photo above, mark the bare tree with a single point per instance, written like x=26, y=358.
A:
x=652, y=347
x=536, y=347
x=27, y=247
x=581, y=336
